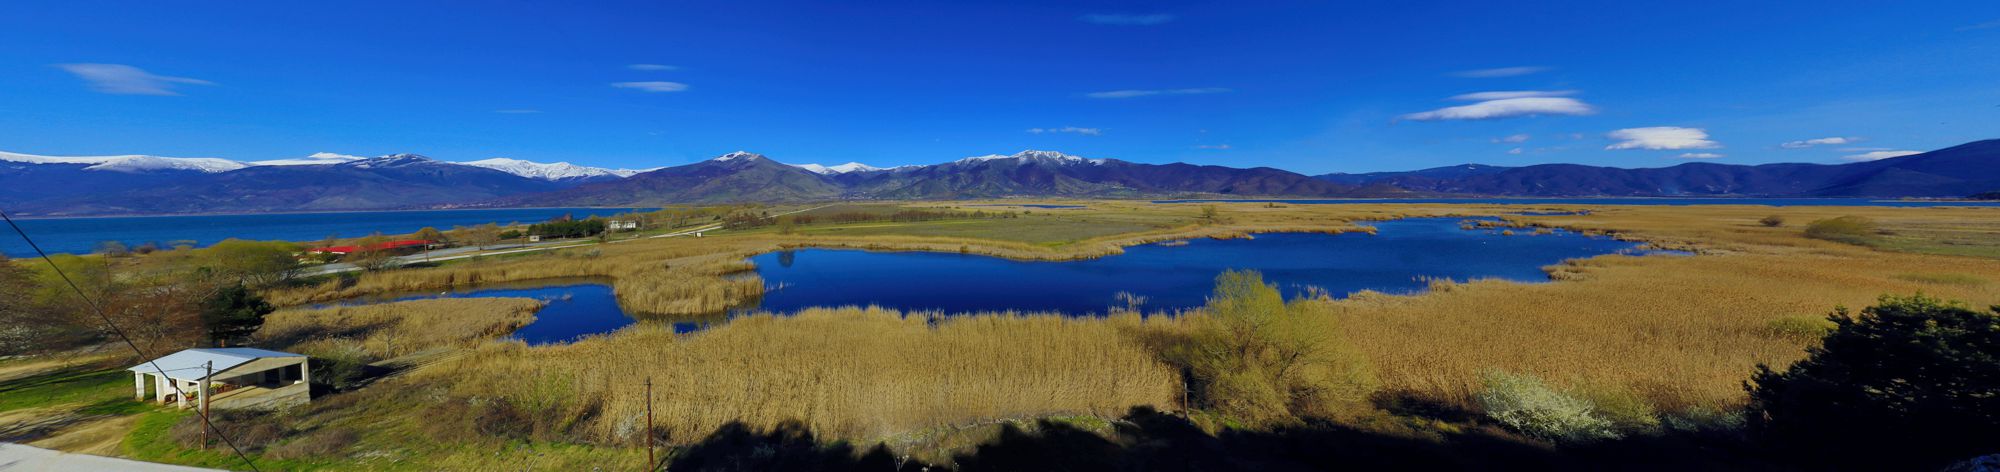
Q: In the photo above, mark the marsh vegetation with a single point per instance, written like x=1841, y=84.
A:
x=1621, y=356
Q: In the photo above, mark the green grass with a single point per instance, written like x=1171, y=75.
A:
x=1944, y=279
x=86, y=386
x=150, y=440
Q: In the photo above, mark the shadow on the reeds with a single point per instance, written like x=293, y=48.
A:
x=1146, y=440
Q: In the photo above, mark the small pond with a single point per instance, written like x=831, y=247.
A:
x=1170, y=275
x=572, y=308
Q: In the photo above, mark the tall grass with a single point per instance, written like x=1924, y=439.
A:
x=390, y=330
x=847, y=373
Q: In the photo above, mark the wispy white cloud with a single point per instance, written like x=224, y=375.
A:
x=652, y=67
x=1500, y=72
x=1127, y=19
x=1700, y=155
x=1661, y=138
x=1149, y=93
x=1981, y=26
x=1507, y=108
x=1506, y=94
x=1879, y=155
x=1514, y=151
x=1516, y=138
x=517, y=111
x=1218, y=147
x=1802, y=144
x=122, y=79
x=1068, y=129
x=654, y=87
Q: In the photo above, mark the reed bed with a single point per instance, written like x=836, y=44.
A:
x=389, y=330
x=1671, y=332
x=845, y=373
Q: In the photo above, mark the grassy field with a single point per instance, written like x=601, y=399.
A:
x=1655, y=336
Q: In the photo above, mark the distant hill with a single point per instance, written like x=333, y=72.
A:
x=398, y=181
x=1951, y=172
x=734, y=177
x=138, y=184
x=742, y=176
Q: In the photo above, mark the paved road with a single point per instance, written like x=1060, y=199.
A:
x=462, y=252
x=24, y=458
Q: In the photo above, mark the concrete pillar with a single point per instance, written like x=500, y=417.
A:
x=138, y=385
x=201, y=392
x=160, y=389
x=183, y=398
x=305, y=374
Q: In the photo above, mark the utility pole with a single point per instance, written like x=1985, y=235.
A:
x=208, y=369
x=648, y=434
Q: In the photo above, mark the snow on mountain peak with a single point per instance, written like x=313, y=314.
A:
x=555, y=171
x=132, y=162
x=739, y=155
x=1035, y=156
x=837, y=169
x=317, y=158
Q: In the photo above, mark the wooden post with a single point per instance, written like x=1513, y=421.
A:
x=208, y=369
x=648, y=434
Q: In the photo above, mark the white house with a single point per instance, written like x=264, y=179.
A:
x=238, y=377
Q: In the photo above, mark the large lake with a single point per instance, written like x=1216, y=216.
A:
x=1625, y=201
x=1168, y=275
x=81, y=235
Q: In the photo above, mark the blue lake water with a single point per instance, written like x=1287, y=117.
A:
x=572, y=308
x=1171, y=275
x=1626, y=201
x=81, y=235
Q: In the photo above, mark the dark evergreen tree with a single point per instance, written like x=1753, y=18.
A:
x=233, y=313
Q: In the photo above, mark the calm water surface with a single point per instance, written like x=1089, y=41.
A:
x=1628, y=201
x=573, y=308
x=1168, y=275
x=81, y=235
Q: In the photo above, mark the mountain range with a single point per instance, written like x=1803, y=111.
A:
x=1956, y=171
x=140, y=184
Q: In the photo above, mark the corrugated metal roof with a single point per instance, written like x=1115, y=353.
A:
x=191, y=364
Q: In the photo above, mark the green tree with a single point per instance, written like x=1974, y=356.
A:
x=257, y=263
x=233, y=313
x=1913, y=380
x=430, y=234
x=1254, y=357
x=1209, y=214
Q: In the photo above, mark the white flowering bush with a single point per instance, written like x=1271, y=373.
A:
x=1528, y=405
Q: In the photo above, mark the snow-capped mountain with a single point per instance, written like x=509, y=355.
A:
x=1034, y=156
x=839, y=169
x=131, y=162
x=317, y=158
x=560, y=171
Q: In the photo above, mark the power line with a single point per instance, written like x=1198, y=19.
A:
x=99, y=309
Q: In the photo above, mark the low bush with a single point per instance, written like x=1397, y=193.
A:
x=1846, y=229
x=1254, y=358
x=1772, y=221
x=1526, y=404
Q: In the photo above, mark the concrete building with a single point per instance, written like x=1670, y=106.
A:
x=237, y=377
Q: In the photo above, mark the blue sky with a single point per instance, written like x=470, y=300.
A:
x=1307, y=86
